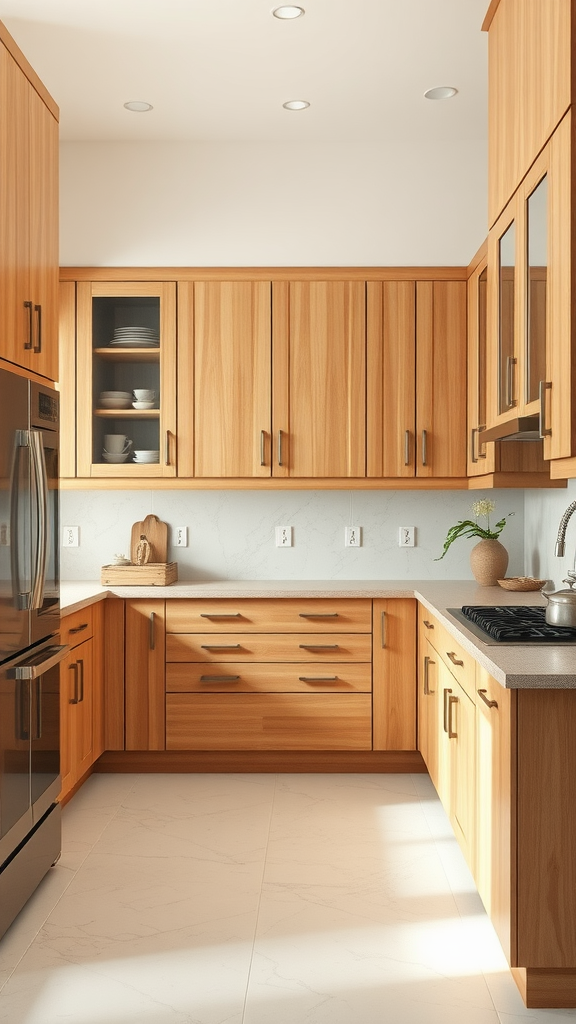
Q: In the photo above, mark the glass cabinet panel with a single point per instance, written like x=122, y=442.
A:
x=536, y=288
x=482, y=341
x=506, y=304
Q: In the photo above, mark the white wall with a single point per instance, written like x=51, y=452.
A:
x=543, y=511
x=231, y=533
x=272, y=204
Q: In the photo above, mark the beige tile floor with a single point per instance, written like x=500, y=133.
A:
x=258, y=899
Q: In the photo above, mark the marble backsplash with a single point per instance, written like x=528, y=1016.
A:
x=231, y=533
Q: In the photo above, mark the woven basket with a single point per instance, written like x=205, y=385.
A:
x=521, y=583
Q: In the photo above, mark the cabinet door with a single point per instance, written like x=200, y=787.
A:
x=493, y=802
x=228, y=369
x=391, y=334
x=319, y=389
x=84, y=720
x=456, y=759
x=481, y=457
x=441, y=378
x=67, y=695
x=394, y=675
x=145, y=675
x=43, y=256
x=428, y=723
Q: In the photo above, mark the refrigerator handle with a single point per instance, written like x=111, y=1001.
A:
x=41, y=489
x=20, y=598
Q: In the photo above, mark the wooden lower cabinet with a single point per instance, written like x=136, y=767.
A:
x=394, y=674
x=456, y=758
x=76, y=717
x=144, y=675
x=428, y=706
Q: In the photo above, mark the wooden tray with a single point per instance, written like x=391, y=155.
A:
x=154, y=574
x=521, y=583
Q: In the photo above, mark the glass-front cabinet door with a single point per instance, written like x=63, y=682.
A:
x=480, y=455
x=536, y=214
x=126, y=380
x=507, y=362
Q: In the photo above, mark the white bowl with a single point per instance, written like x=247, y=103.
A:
x=114, y=458
x=142, y=405
x=115, y=403
x=144, y=395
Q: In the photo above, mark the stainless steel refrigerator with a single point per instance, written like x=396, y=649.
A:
x=30, y=652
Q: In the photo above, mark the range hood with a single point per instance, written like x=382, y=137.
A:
x=521, y=428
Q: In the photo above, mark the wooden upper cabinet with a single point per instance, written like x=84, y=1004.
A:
x=225, y=361
x=28, y=223
x=391, y=311
x=319, y=375
x=529, y=75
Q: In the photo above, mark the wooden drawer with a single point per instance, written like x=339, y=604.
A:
x=461, y=664
x=184, y=677
x=272, y=721
x=428, y=625
x=331, y=647
x=77, y=627
x=292, y=615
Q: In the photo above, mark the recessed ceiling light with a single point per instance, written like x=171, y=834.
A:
x=287, y=12
x=441, y=92
x=138, y=106
x=296, y=105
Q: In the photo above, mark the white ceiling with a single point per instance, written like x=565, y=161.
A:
x=219, y=70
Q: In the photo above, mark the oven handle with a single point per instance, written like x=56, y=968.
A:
x=32, y=668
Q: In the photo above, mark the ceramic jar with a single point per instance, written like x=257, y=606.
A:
x=488, y=561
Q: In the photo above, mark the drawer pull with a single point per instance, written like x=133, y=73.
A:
x=219, y=679
x=490, y=703
x=220, y=647
x=78, y=629
x=318, y=679
x=454, y=659
x=318, y=615
x=220, y=615
x=429, y=625
x=319, y=647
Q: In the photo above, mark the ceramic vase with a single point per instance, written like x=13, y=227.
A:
x=488, y=561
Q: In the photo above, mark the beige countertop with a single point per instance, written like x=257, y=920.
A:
x=514, y=667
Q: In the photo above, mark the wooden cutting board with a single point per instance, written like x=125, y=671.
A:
x=156, y=533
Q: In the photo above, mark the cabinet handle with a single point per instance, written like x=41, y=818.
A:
x=318, y=679
x=473, y=436
x=262, y=447
x=424, y=447
x=74, y=669
x=38, y=342
x=167, y=449
x=453, y=658
x=317, y=615
x=220, y=615
x=452, y=734
x=220, y=647
x=81, y=667
x=490, y=703
x=446, y=696
x=383, y=629
x=152, y=635
x=429, y=625
x=406, y=447
x=543, y=430
x=79, y=629
x=219, y=679
x=30, y=343
x=510, y=363
x=427, y=662
x=318, y=647
x=280, y=432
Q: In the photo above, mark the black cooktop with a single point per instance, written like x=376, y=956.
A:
x=512, y=624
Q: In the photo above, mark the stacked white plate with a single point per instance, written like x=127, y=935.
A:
x=146, y=456
x=115, y=400
x=135, y=337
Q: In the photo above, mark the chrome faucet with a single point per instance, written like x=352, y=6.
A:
x=561, y=538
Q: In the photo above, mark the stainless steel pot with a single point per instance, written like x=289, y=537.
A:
x=561, y=604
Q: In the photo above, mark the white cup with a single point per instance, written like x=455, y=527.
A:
x=116, y=444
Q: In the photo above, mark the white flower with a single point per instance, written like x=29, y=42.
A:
x=483, y=507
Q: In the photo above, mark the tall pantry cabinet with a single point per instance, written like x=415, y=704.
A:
x=28, y=216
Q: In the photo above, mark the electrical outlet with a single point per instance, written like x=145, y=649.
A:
x=181, y=533
x=70, y=536
x=353, y=536
x=283, y=536
x=406, y=537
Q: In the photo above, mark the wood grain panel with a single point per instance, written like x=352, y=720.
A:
x=428, y=691
x=441, y=378
x=284, y=274
x=327, y=379
x=542, y=988
x=78, y=626
x=546, y=832
x=145, y=675
x=256, y=615
x=560, y=355
x=391, y=341
x=67, y=378
x=295, y=647
x=44, y=234
x=98, y=644
x=268, y=722
x=394, y=671
x=113, y=674
x=529, y=74
x=232, y=378
x=183, y=677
